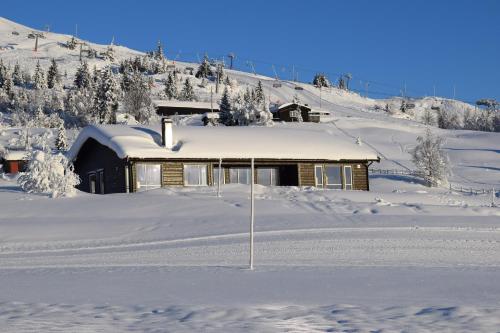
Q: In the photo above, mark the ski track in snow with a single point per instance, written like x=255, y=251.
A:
x=426, y=247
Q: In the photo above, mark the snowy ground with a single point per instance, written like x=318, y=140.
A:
x=410, y=260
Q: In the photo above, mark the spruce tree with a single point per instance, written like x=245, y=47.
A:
x=226, y=114
x=61, y=140
x=204, y=70
x=3, y=73
x=320, y=80
x=7, y=84
x=17, y=76
x=187, y=93
x=158, y=54
x=39, y=78
x=82, y=76
x=53, y=77
x=137, y=101
x=259, y=93
x=106, y=99
x=170, y=87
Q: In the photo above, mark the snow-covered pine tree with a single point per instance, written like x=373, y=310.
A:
x=296, y=99
x=3, y=72
x=298, y=113
x=448, y=119
x=226, y=112
x=320, y=80
x=106, y=99
x=61, y=140
x=53, y=77
x=8, y=84
x=259, y=96
x=430, y=159
x=95, y=76
x=158, y=54
x=187, y=92
x=137, y=101
x=82, y=76
x=39, y=81
x=265, y=117
x=49, y=174
x=17, y=76
x=170, y=87
x=204, y=70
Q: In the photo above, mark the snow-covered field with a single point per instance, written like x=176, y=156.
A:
x=399, y=258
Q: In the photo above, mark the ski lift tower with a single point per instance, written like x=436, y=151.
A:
x=231, y=57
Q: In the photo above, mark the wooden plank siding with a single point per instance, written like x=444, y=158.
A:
x=306, y=174
x=172, y=174
x=360, y=177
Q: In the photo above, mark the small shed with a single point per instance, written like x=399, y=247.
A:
x=291, y=112
x=14, y=161
x=168, y=108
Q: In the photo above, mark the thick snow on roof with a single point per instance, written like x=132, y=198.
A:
x=193, y=142
x=185, y=104
x=16, y=155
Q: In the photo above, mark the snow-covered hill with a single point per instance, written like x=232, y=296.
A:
x=17, y=47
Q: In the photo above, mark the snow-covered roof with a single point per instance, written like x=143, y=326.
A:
x=15, y=155
x=185, y=104
x=193, y=142
x=288, y=104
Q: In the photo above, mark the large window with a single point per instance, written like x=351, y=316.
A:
x=215, y=176
x=148, y=176
x=348, y=177
x=195, y=174
x=267, y=176
x=318, y=175
x=333, y=176
x=239, y=176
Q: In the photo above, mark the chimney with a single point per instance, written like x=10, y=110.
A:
x=167, y=137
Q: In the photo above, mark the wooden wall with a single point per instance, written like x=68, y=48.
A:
x=360, y=177
x=306, y=174
x=172, y=173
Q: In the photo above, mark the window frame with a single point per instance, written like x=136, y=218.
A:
x=215, y=180
x=238, y=176
x=350, y=183
x=273, y=176
x=204, y=165
x=333, y=186
x=140, y=187
x=321, y=167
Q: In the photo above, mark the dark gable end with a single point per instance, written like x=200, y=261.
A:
x=93, y=157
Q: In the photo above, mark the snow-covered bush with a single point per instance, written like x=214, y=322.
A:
x=430, y=159
x=49, y=174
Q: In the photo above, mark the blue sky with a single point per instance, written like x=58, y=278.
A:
x=423, y=44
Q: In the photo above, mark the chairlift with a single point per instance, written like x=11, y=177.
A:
x=277, y=84
x=298, y=88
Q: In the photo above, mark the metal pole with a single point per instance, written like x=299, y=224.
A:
x=211, y=100
x=252, y=210
x=220, y=177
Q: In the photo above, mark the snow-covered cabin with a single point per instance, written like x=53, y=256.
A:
x=170, y=108
x=14, y=161
x=120, y=158
x=292, y=112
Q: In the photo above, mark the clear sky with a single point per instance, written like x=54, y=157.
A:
x=423, y=44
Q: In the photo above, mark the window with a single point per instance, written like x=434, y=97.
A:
x=239, y=176
x=92, y=182
x=348, y=177
x=267, y=176
x=195, y=174
x=215, y=176
x=148, y=176
x=333, y=176
x=318, y=175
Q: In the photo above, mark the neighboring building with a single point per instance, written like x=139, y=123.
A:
x=171, y=108
x=119, y=158
x=291, y=112
x=210, y=118
x=14, y=161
